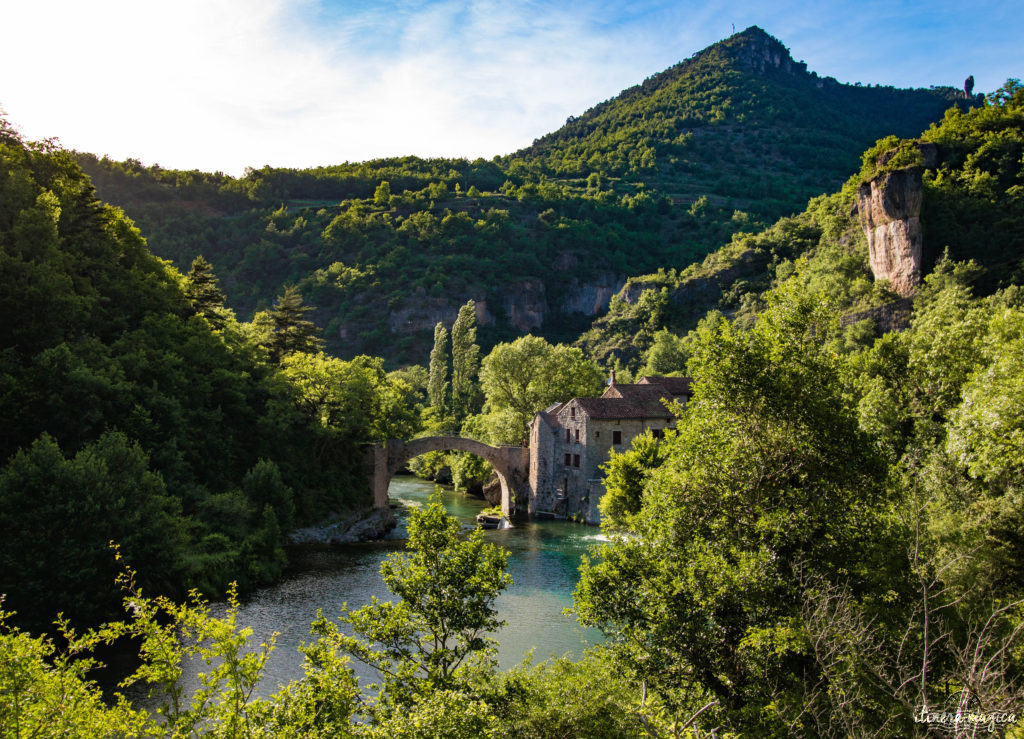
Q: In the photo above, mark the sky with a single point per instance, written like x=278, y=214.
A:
x=229, y=84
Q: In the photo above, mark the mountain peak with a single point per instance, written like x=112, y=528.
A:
x=757, y=50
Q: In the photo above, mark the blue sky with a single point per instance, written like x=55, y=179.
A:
x=225, y=84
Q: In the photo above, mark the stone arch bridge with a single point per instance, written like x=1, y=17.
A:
x=510, y=463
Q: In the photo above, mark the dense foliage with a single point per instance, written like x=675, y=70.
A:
x=971, y=210
x=740, y=120
x=136, y=408
x=829, y=543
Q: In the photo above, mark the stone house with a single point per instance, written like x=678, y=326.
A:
x=569, y=442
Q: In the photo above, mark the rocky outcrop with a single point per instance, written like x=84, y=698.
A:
x=524, y=303
x=698, y=288
x=593, y=296
x=367, y=526
x=422, y=313
x=760, y=53
x=890, y=207
x=894, y=316
x=492, y=491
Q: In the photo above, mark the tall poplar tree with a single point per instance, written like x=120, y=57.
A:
x=437, y=384
x=465, y=362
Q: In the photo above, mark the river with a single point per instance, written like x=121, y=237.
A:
x=543, y=560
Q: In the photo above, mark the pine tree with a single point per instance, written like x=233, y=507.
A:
x=291, y=331
x=437, y=384
x=465, y=362
x=203, y=289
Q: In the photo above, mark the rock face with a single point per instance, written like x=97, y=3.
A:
x=367, y=526
x=591, y=297
x=890, y=208
x=894, y=316
x=492, y=491
x=525, y=304
x=760, y=53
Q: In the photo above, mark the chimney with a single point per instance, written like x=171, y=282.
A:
x=612, y=380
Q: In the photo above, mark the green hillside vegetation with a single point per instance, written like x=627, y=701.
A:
x=661, y=175
x=138, y=410
x=456, y=237
x=831, y=539
x=972, y=209
x=740, y=122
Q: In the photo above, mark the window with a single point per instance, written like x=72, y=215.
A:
x=577, y=436
x=575, y=460
x=616, y=437
x=568, y=459
x=597, y=434
x=572, y=412
x=567, y=437
x=658, y=433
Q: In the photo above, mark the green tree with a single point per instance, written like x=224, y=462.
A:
x=525, y=376
x=589, y=697
x=263, y=486
x=767, y=482
x=59, y=514
x=434, y=636
x=465, y=362
x=203, y=289
x=667, y=355
x=624, y=476
x=354, y=399
x=382, y=195
x=437, y=385
x=291, y=330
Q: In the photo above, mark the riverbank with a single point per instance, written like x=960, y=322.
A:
x=346, y=529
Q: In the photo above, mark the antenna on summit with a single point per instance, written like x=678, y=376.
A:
x=734, y=28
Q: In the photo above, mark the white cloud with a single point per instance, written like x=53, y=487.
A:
x=235, y=83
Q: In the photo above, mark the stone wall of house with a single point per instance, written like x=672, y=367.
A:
x=542, y=464
x=558, y=486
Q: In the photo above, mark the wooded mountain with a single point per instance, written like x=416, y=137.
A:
x=659, y=176
x=969, y=180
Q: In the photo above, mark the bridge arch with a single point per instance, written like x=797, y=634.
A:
x=510, y=463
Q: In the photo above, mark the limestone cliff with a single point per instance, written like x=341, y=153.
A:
x=890, y=207
x=523, y=304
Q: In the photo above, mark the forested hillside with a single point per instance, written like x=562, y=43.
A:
x=739, y=122
x=136, y=409
x=971, y=209
x=660, y=176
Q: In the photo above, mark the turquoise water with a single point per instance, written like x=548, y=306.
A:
x=543, y=561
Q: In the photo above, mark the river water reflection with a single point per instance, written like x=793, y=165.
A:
x=544, y=561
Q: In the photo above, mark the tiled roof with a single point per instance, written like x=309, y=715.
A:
x=624, y=407
x=636, y=393
x=550, y=418
x=675, y=385
x=645, y=399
